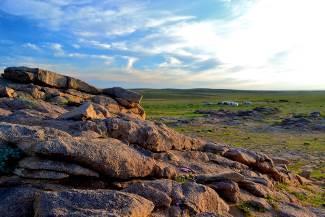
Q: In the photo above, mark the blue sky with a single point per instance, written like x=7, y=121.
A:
x=238, y=44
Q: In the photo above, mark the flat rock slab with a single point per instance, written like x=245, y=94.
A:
x=39, y=174
x=47, y=78
x=84, y=203
x=35, y=163
x=109, y=157
x=208, y=178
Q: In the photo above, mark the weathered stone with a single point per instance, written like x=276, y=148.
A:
x=118, y=92
x=228, y=190
x=51, y=79
x=194, y=197
x=20, y=104
x=25, y=136
x=279, y=160
x=84, y=112
x=73, y=100
x=101, y=111
x=159, y=198
x=5, y=112
x=254, y=188
x=302, y=180
x=47, y=78
x=84, y=203
x=293, y=210
x=39, y=174
x=214, y=148
x=109, y=156
x=241, y=155
x=7, y=92
x=51, y=92
x=149, y=135
x=255, y=160
x=59, y=100
x=20, y=74
x=208, y=178
x=35, y=163
x=17, y=201
x=161, y=169
x=77, y=84
x=37, y=94
x=259, y=204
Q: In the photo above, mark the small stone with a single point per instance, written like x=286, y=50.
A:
x=228, y=190
x=84, y=112
x=7, y=92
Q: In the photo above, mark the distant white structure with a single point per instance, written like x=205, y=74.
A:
x=230, y=103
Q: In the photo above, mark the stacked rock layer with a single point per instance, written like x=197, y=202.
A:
x=71, y=149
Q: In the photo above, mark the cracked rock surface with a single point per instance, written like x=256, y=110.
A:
x=70, y=149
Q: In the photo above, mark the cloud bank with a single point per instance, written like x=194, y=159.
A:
x=251, y=44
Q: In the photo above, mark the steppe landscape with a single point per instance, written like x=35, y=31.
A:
x=71, y=149
x=162, y=108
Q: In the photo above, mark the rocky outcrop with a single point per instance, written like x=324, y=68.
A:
x=47, y=78
x=64, y=90
x=121, y=94
x=70, y=149
x=84, y=203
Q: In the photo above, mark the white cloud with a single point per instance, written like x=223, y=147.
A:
x=57, y=49
x=266, y=43
x=96, y=44
x=171, y=62
x=130, y=63
x=32, y=46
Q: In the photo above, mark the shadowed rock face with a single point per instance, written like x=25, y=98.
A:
x=90, y=152
x=86, y=203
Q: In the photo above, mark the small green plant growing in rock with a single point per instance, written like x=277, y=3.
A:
x=272, y=201
x=30, y=103
x=184, y=178
x=8, y=158
x=246, y=208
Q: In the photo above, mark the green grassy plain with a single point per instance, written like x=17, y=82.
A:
x=308, y=146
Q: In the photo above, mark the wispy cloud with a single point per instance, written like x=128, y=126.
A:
x=130, y=63
x=257, y=44
x=31, y=46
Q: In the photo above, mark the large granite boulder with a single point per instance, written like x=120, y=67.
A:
x=194, y=198
x=47, y=78
x=150, y=135
x=85, y=203
x=120, y=93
